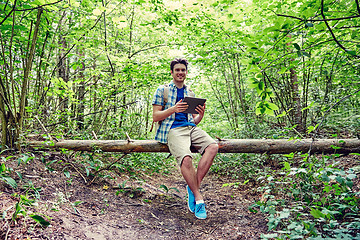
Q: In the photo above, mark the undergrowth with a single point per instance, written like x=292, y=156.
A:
x=302, y=197
x=313, y=199
x=24, y=192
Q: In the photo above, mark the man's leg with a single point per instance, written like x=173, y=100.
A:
x=194, y=178
x=206, y=161
x=190, y=176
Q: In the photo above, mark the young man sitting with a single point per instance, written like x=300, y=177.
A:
x=179, y=131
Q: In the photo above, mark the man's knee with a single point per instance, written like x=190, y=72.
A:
x=186, y=162
x=212, y=149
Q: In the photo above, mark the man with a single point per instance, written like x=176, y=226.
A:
x=179, y=131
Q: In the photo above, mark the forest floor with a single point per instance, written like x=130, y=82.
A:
x=135, y=210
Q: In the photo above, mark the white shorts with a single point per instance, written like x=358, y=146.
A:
x=181, y=138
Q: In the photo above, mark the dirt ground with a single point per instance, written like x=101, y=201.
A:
x=136, y=210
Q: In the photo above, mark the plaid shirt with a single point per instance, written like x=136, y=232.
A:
x=158, y=99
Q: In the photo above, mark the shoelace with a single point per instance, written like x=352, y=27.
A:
x=200, y=207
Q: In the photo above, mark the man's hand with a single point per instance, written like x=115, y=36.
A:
x=180, y=106
x=198, y=117
x=159, y=114
x=200, y=109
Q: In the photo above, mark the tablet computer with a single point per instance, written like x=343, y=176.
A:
x=193, y=103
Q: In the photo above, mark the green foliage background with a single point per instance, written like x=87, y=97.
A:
x=269, y=69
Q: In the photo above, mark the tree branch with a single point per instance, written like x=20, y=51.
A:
x=288, y=16
x=105, y=42
x=145, y=49
x=41, y=6
x=318, y=20
x=8, y=13
x=331, y=32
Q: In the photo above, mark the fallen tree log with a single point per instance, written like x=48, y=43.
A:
x=269, y=146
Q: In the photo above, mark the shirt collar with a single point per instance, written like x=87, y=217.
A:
x=172, y=84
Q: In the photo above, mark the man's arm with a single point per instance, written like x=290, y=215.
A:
x=159, y=114
x=198, y=117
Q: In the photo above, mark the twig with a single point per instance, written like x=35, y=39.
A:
x=46, y=131
x=218, y=138
x=73, y=166
x=106, y=168
x=78, y=172
x=94, y=135
x=7, y=233
x=317, y=20
x=213, y=230
x=74, y=213
x=41, y=6
x=128, y=138
x=8, y=15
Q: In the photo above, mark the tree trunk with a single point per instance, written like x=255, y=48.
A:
x=29, y=62
x=62, y=70
x=296, y=101
x=81, y=94
x=269, y=146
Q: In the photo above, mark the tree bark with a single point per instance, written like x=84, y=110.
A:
x=63, y=72
x=269, y=146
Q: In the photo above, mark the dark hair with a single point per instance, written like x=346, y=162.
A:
x=178, y=60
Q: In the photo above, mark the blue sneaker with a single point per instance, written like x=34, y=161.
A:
x=200, y=211
x=191, y=200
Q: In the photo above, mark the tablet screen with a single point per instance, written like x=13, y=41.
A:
x=193, y=103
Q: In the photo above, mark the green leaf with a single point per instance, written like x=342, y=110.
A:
x=299, y=53
x=340, y=179
x=10, y=181
x=272, y=106
x=351, y=176
x=284, y=214
x=308, y=107
x=67, y=173
x=287, y=165
x=296, y=46
x=325, y=177
x=327, y=189
x=350, y=184
x=316, y=213
x=310, y=129
x=40, y=220
x=77, y=203
x=283, y=70
x=283, y=114
x=175, y=189
x=164, y=187
x=258, y=111
x=305, y=54
x=253, y=83
x=335, y=147
x=351, y=52
x=270, y=235
x=2, y=168
x=261, y=85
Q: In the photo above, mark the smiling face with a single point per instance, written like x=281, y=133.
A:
x=179, y=73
